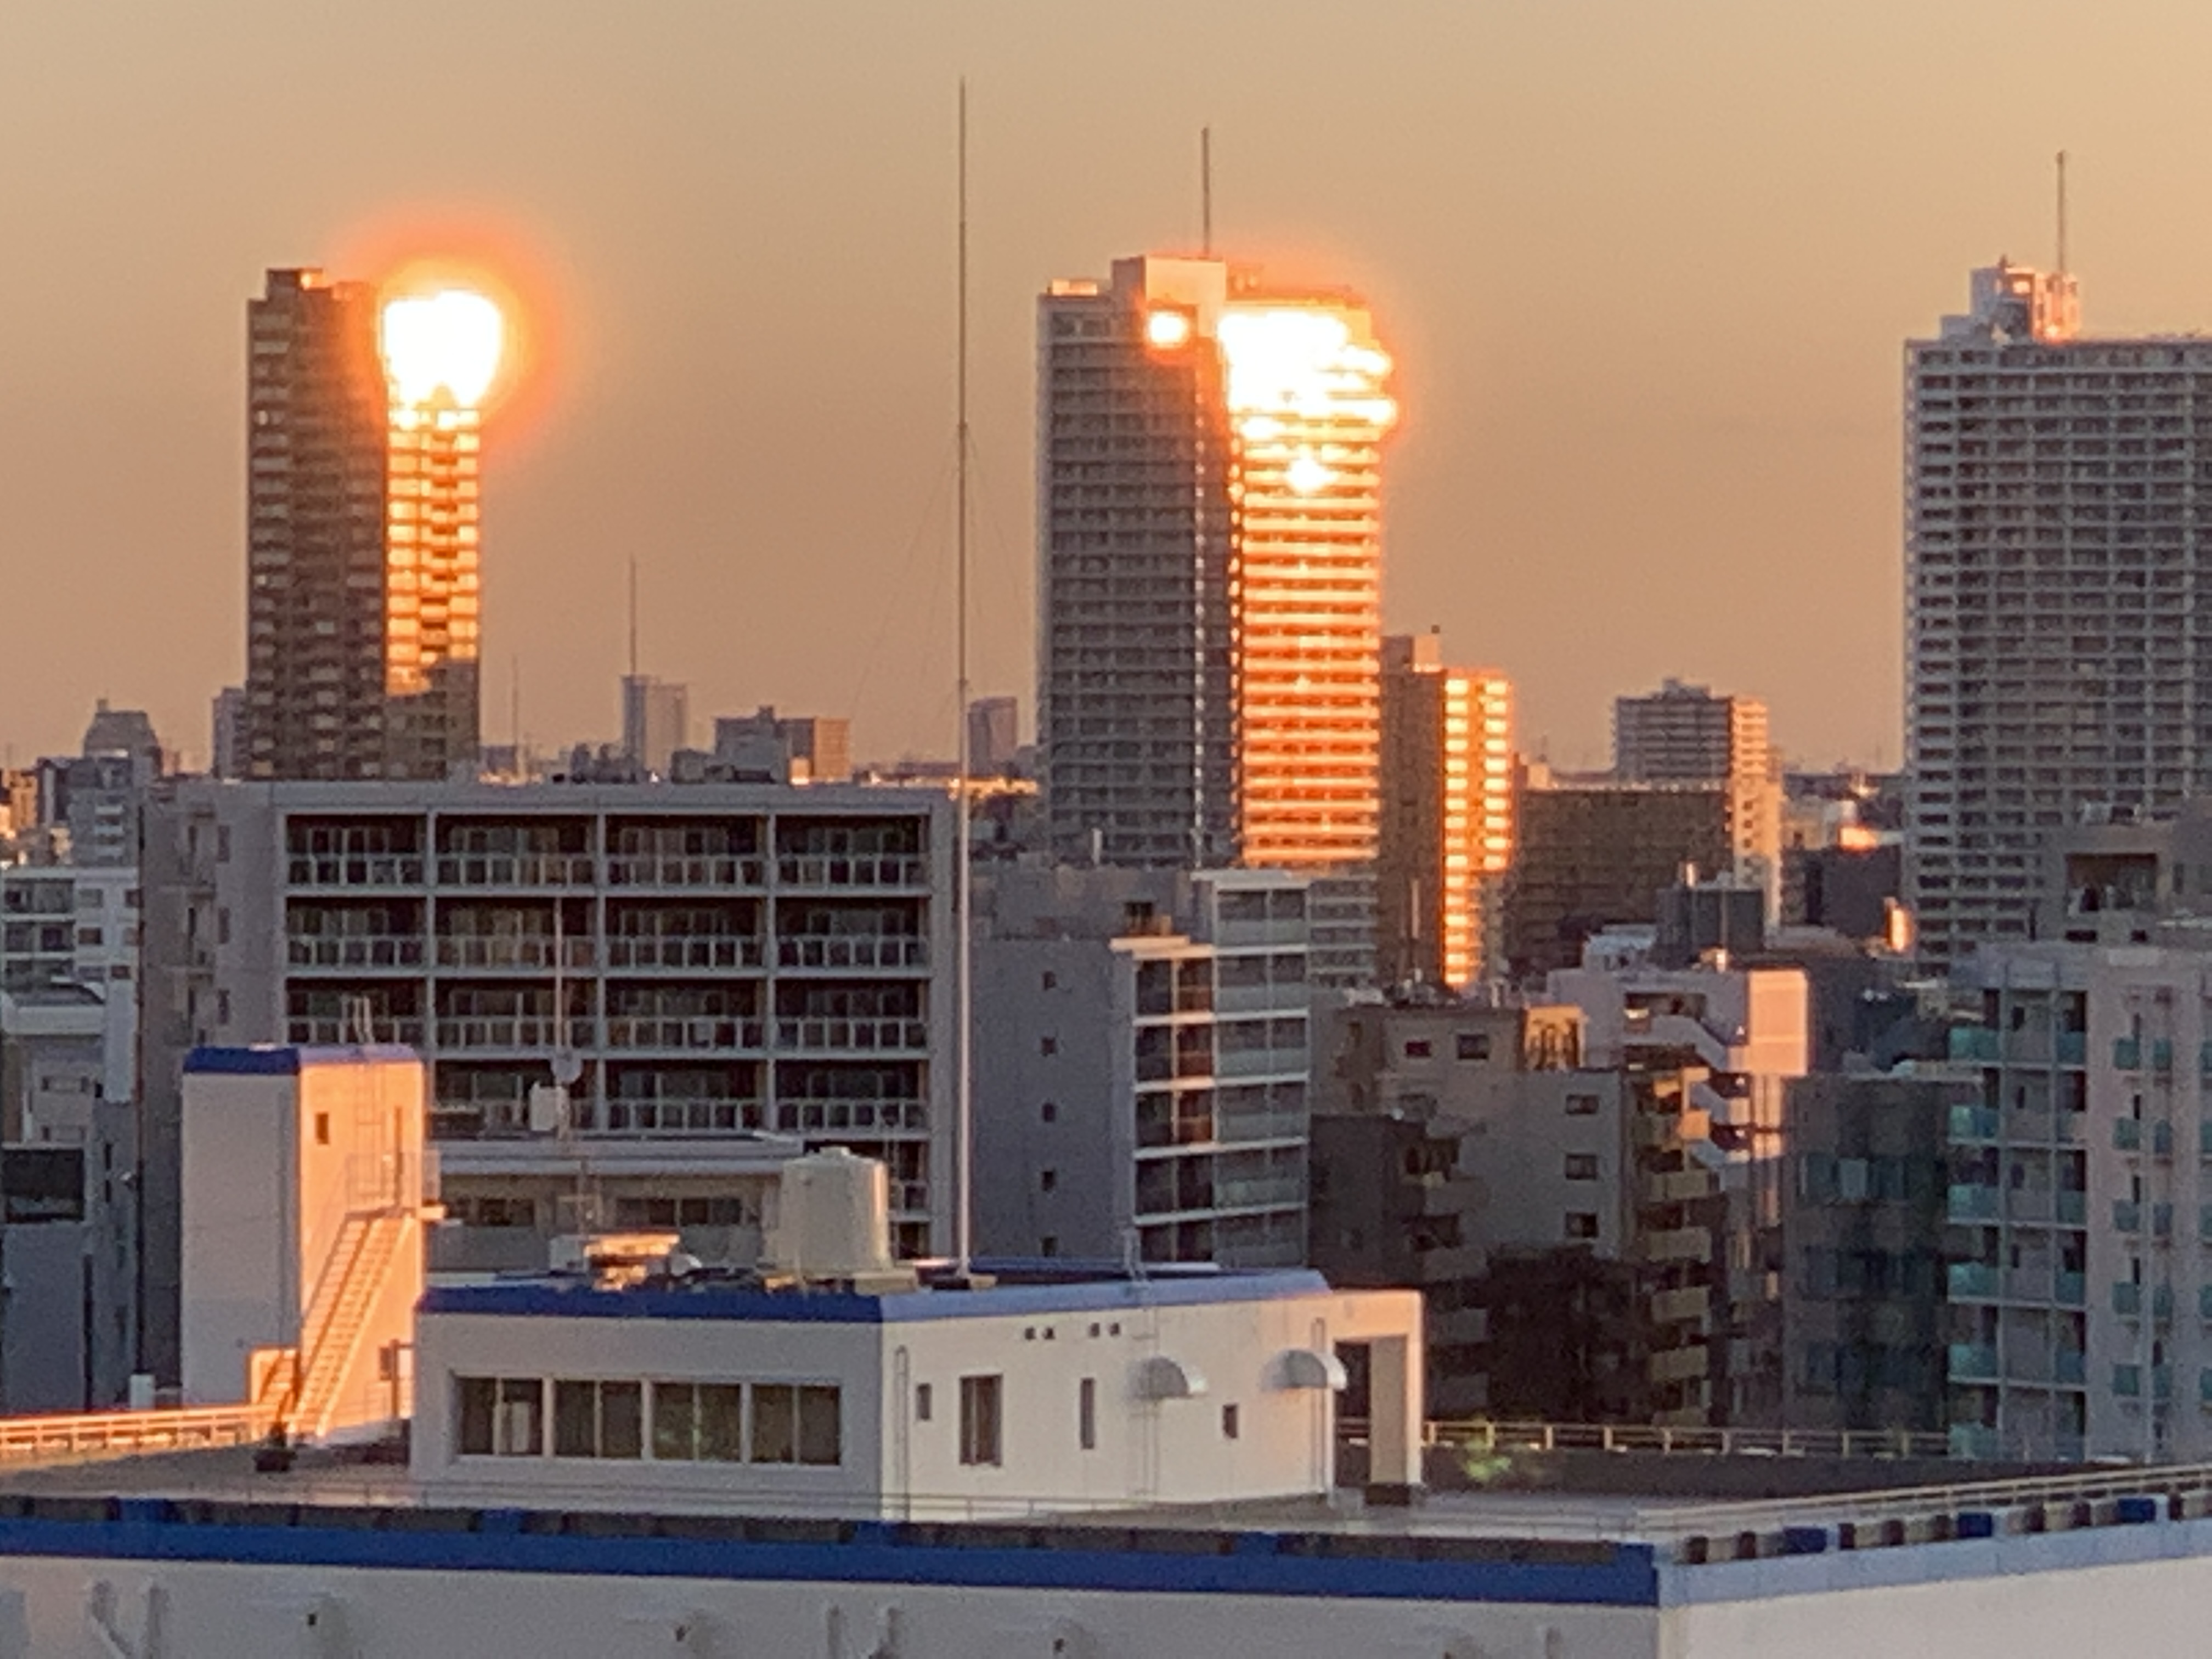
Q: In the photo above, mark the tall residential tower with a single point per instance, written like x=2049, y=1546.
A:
x=362, y=609
x=2058, y=541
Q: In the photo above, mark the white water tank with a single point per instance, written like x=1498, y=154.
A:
x=833, y=1216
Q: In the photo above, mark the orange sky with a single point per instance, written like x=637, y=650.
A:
x=1646, y=270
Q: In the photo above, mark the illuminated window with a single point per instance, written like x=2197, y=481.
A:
x=980, y=1420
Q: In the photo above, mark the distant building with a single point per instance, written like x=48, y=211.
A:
x=97, y=795
x=361, y=503
x=1141, y=1065
x=993, y=735
x=1448, y=821
x=228, y=746
x=656, y=721
x=810, y=748
x=1597, y=853
x=1684, y=734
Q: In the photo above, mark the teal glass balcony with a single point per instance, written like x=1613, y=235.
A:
x=1974, y=1123
x=1971, y=1202
x=2074, y=1048
x=2162, y=1054
x=2161, y=1140
x=2161, y=1220
x=2127, y=1299
x=1974, y=1362
x=1974, y=1043
x=2069, y=1366
x=2069, y=1290
x=2073, y=1207
x=2161, y=1303
x=1974, y=1440
x=2127, y=1382
x=2127, y=1216
x=2127, y=1054
x=2127, y=1134
x=1972, y=1281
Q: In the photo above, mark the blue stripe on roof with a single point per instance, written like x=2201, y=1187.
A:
x=1255, y=1564
x=539, y=1298
x=284, y=1059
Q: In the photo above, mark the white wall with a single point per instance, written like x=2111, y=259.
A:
x=240, y=1268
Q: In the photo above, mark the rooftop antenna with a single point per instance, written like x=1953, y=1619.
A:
x=2062, y=213
x=633, y=615
x=1206, y=191
x=962, y=884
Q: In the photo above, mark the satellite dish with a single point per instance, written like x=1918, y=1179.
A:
x=566, y=1068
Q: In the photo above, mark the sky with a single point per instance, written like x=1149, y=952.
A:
x=1646, y=270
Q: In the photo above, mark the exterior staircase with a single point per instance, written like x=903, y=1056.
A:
x=330, y=1333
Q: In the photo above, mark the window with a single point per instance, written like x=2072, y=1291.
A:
x=499, y=1416
x=698, y=1422
x=1581, y=1224
x=1051, y=979
x=1475, y=1045
x=1582, y=1166
x=1582, y=1105
x=1418, y=1048
x=1087, y=1413
x=1048, y=1244
x=979, y=1422
x=1048, y=1112
x=925, y=1402
x=1047, y=1180
x=796, y=1423
x=598, y=1420
x=1048, y=1045
x=322, y=1128
x=1229, y=1424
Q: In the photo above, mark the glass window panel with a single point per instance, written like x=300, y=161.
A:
x=621, y=1419
x=575, y=1419
x=673, y=1415
x=721, y=1421
x=820, y=1431
x=518, y=1431
x=477, y=1395
x=776, y=1430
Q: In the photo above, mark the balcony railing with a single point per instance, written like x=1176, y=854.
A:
x=1974, y=1123
x=2127, y=1054
x=854, y=951
x=691, y=1032
x=355, y=869
x=517, y=870
x=535, y=1032
x=2127, y=1134
x=665, y=870
x=835, y=1113
x=683, y=951
x=1970, y=1202
x=353, y=950
x=857, y=870
x=1974, y=1362
x=511, y=951
x=670, y=1115
x=1262, y=1125
x=2072, y=1047
x=1972, y=1281
x=868, y=1034
x=1974, y=1043
x=1251, y=1191
x=335, y=1029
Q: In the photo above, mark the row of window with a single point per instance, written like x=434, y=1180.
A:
x=668, y=1422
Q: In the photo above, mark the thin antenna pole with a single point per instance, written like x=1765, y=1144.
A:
x=1206, y=191
x=963, y=899
x=633, y=615
x=515, y=710
x=2062, y=213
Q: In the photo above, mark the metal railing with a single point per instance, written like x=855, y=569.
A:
x=91, y=1435
x=1481, y=1434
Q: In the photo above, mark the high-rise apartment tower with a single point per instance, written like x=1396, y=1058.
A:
x=362, y=606
x=2057, y=539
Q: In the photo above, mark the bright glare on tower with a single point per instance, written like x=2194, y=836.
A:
x=449, y=342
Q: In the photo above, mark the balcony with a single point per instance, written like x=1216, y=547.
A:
x=2127, y=1134
x=1972, y=1362
x=815, y=1116
x=2070, y=1368
x=511, y=952
x=1261, y=1062
x=2127, y=1216
x=1972, y=1281
x=353, y=950
x=2072, y=1047
x=517, y=870
x=1970, y=1201
x=351, y=870
x=1973, y=1441
x=2127, y=1299
x=2161, y=1055
x=691, y=1033
x=688, y=951
x=2161, y=1140
x=536, y=1033
x=2072, y=1207
x=671, y=1115
x=1257, y=1192
x=864, y=1036
x=843, y=952
x=1974, y=1044
x=688, y=873
x=333, y=1029
x=858, y=870
x=1971, y=1123
x=2127, y=1054
x=2069, y=1290
x=1239, y=1126
x=1686, y=1305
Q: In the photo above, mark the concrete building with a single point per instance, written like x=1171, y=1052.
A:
x=1594, y=853
x=1141, y=1065
x=1210, y=597
x=703, y=964
x=656, y=722
x=2050, y=496
x=1447, y=834
x=809, y=748
x=363, y=504
x=227, y=738
x=1684, y=734
x=95, y=795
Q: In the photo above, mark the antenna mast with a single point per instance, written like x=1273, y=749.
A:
x=2062, y=212
x=963, y=895
x=633, y=615
x=1206, y=191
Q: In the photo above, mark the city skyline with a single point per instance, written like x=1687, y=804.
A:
x=1550, y=318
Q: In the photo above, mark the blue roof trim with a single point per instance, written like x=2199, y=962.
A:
x=537, y=1298
x=286, y=1060
x=1258, y=1565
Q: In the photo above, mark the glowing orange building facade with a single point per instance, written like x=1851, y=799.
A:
x=363, y=498
x=1448, y=817
x=1211, y=580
